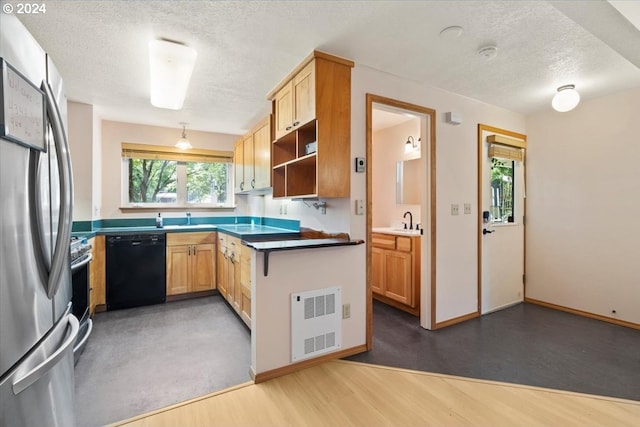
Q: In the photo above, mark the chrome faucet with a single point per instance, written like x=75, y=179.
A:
x=188, y=218
x=410, y=219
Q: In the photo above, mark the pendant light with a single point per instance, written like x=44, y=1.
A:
x=183, y=143
x=566, y=99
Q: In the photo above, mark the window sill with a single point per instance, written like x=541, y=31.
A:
x=173, y=208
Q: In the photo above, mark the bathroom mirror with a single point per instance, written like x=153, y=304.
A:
x=408, y=182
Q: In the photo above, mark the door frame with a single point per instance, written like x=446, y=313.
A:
x=480, y=142
x=431, y=260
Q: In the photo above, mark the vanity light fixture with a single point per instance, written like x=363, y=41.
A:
x=411, y=145
x=171, y=65
x=183, y=143
x=566, y=99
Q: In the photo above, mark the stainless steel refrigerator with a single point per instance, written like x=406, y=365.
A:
x=37, y=330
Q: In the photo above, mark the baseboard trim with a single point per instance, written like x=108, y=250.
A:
x=278, y=372
x=455, y=320
x=396, y=304
x=583, y=313
x=190, y=295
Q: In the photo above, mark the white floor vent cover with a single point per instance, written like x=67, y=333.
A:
x=316, y=323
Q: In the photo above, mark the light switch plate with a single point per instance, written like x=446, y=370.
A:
x=467, y=208
x=455, y=209
x=359, y=207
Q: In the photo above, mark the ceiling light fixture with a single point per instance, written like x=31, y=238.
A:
x=451, y=33
x=183, y=143
x=488, y=52
x=171, y=65
x=566, y=99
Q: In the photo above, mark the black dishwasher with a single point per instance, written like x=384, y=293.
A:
x=136, y=272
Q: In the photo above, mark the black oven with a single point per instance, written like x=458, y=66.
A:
x=80, y=282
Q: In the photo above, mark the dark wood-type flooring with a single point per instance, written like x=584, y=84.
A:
x=524, y=344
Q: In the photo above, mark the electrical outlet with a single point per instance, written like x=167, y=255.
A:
x=467, y=208
x=455, y=209
x=346, y=311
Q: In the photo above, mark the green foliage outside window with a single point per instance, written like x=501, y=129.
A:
x=502, y=194
x=150, y=178
x=158, y=181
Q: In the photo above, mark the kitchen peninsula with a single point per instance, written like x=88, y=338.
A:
x=299, y=261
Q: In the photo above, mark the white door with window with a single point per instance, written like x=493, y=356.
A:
x=502, y=220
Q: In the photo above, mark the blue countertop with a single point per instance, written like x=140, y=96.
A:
x=242, y=231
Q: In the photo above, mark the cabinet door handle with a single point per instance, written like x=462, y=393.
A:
x=242, y=186
x=296, y=123
x=189, y=254
x=253, y=183
x=232, y=257
x=288, y=128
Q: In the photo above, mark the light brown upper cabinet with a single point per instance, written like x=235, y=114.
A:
x=311, y=152
x=252, y=158
x=295, y=102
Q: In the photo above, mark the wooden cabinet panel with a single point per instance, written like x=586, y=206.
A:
x=249, y=163
x=304, y=98
x=396, y=271
x=313, y=105
x=97, y=274
x=222, y=273
x=262, y=154
x=178, y=266
x=192, y=238
x=398, y=283
x=238, y=166
x=191, y=264
x=203, y=267
x=283, y=110
x=384, y=241
x=377, y=270
x=234, y=275
x=245, y=285
x=403, y=243
x=252, y=159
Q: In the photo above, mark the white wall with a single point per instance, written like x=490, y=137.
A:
x=456, y=170
x=583, y=175
x=80, y=134
x=115, y=133
x=388, y=149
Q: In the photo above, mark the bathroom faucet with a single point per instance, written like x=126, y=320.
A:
x=188, y=218
x=410, y=219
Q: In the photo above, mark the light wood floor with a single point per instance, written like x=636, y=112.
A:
x=341, y=393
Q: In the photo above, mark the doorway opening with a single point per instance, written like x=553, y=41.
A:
x=401, y=209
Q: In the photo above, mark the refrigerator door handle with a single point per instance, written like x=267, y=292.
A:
x=64, y=165
x=24, y=381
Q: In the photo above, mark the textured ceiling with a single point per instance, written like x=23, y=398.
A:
x=245, y=48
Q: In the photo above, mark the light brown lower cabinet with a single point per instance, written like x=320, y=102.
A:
x=97, y=275
x=245, y=285
x=191, y=262
x=396, y=271
x=233, y=277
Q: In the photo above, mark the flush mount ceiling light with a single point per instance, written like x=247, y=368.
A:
x=566, y=99
x=171, y=65
x=488, y=52
x=183, y=143
x=451, y=33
